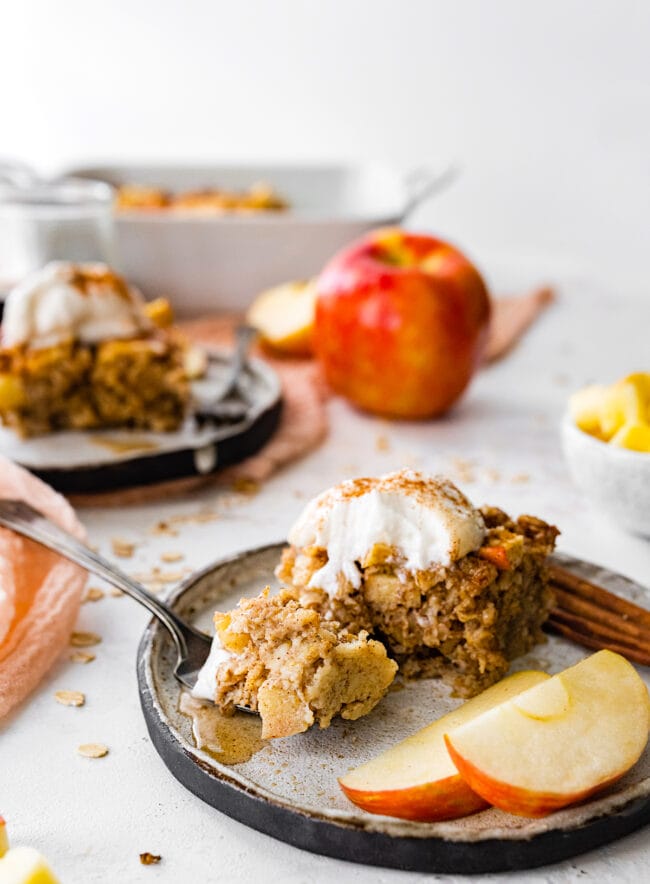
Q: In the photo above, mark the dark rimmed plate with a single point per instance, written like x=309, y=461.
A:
x=289, y=790
x=90, y=462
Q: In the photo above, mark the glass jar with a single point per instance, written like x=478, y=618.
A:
x=71, y=220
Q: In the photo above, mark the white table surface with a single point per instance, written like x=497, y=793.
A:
x=93, y=817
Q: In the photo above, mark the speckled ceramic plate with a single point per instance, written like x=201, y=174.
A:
x=95, y=461
x=289, y=788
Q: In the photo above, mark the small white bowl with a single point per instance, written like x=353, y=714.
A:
x=615, y=479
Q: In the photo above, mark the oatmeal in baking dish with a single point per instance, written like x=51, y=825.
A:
x=260, y=197
x=80, y=349
x=451, y=590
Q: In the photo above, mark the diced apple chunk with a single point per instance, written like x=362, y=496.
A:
x=24, y=865
x=636, y=437
x=4, y=840
x=623, y=404
x=585, y=407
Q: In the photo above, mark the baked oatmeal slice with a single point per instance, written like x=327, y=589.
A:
x=80, y=349
x=294, y=668
x=452, y=592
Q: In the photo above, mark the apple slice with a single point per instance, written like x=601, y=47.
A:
x=416, y=779
x=24, y=865
x=558, y=742
x=284, y=317
x=4, y=840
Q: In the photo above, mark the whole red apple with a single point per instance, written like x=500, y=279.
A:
x=401, y=321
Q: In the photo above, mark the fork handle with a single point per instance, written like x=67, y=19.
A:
x=20, y=517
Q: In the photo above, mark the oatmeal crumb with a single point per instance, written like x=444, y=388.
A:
x=149, y=859
x=82, y=657
x=92, y=750
x=70, y=698
x=116, y=593
x=164, y=528
x=171, y=556
x=93, y=594
x=122, y=548
x=244, y=485
x=84, y=639
x=520, y=478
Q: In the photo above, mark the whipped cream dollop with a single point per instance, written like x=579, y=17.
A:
x=426, y=519
x=206, y=684
x=65, y=301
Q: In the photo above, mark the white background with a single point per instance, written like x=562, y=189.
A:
x=545, y=105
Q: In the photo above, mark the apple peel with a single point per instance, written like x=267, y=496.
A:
x=40, y=592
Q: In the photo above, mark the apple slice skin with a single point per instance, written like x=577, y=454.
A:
x=446, y=799
x=514, y=800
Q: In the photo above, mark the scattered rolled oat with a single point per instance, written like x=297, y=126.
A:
x=493, y=474
x=382, y=443
x=116, y=593
x=122, y=548
x=194, y=518
x=84, y=639
x=155, y=577
x=82, y=657
x=170, y=576
x=464, y=469
x=93, y=594
x=520, y=478
x=171, y=557
x=149, y=859
x=70, y=698
x=92, y=750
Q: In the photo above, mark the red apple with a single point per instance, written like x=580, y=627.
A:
x=401, y=322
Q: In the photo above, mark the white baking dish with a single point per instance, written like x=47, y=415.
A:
x=219, y=263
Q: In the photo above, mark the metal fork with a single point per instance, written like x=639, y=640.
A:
x=192, y=646
x=230, y=403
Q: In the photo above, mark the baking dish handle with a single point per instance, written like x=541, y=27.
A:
x=423, y=182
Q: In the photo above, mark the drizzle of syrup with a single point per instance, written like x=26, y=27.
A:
x=123, y=446
x=229, y=739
